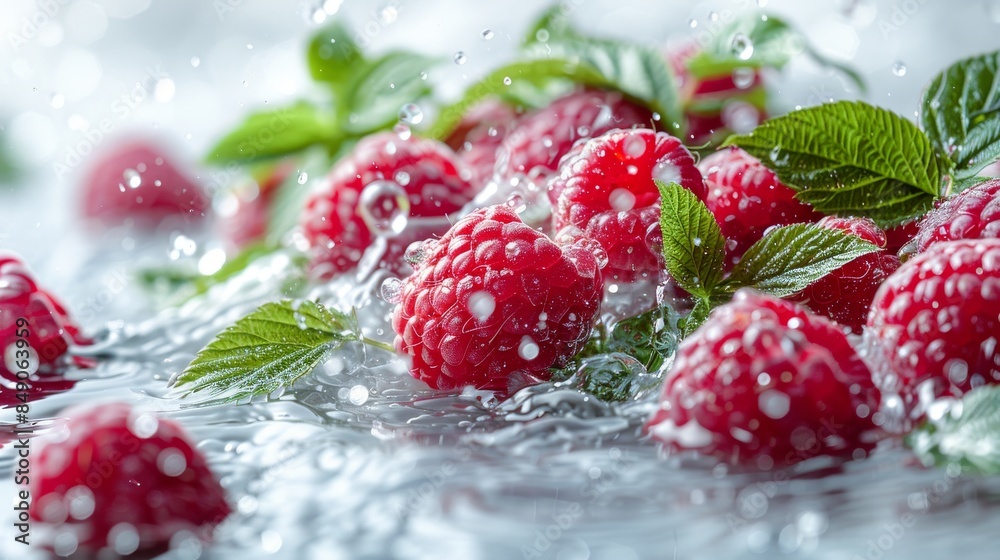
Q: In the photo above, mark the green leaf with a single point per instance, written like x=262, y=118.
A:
x=693, y=245
x=651, y=337
x=968, y=435
x=963, y=183
x=268, y=349
x=697, y=316
x=333, y=56
x=961, y=113
x=774, y=43
x=537, y=72
x=270, y=134
x=850, y=158
x=378, y=90
x=614, y=377
x=290, y=197
x=790, y=258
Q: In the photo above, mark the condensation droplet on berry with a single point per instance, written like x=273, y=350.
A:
x=385, y=208
x=613, y=288
x=528, y=348
x=411, y=114
x=391, y=290
x=774, y=404
x=482, y=305
x=777, y=157
x=403, y=131
x=621, y=200
x=898, y=69
x=460, y=58
x=589, y=245
x=124, y=539
x=634, y=146
x=358, y=395
x=171, y=462
x=132, y=178
x=742, y=46
x=667, y=172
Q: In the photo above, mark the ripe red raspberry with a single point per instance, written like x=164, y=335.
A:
x=137, y=182
x=845, y=295
x=124, y=482
x=765, y=383
x=494, y=297
x=718, y=103
x=937, y=318
x=747, y=198
x=479, y=135
x=971, y=214
x=425, y=170
x=541, y=138
x=605, y=188
x=50, y=333
x=898, y=237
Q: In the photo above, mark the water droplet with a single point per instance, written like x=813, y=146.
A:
x=385, y=208
x=742, y=46
x=302, y=178
x=743, y=77
x=542, y=35
x=132, y=178
x=460, y=58
x=270, y=541
x=403, y=131
x=249, y=47
x=411, y=114
x=487, y=34
x=358, y=395
x=171, y=462
x=124, y=539
x=481, y=305
x=402, y=178
x=692, y=23
x=58, y=100
x=517, y=203
x=774, y=404
x=621, y=200
x=634, y=146
x=898, y=69
x=714, y=16
x=195, y=61
x=81, y=502
x=423, y=75
x=506, y=80
x=416, y=252
x=528, y=348
x=391, y=290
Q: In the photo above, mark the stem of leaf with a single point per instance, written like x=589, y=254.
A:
x=378, y=344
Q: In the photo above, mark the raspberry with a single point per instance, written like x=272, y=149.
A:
x=541, y=138
x=937, y=318
x=765, y=383
x=425, y=170
x=125, y=482
x=494, y=297
x=846, y=294
x=747, y=198
x=479, y=135
x=50, y=332
x=136, y=182
x=898, y=237
x=246, y=212
x=971, y=214
x=605, y=188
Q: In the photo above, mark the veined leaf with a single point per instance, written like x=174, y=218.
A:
x=693, y=245
x=269, y=134
x=968, y=435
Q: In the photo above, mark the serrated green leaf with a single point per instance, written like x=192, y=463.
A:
x=774, y=44
x=960, y=184
x=269, y=134
x=614, y=377
x=268, y=349
x=960, y=112
x=651, y=337
x=696, y=317
x=850, y=158
x=377, y=91
x=333, y=56
x=693, y=245
x=969, y=435
x=790, y=258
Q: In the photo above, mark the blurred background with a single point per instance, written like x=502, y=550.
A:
x=76, y=75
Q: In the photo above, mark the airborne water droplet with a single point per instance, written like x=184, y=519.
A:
x=411, y=114
x=742, y=46
x=487, y=34
x=303, y=177
x=391, y=289
x=460, y=58
x=385, y=208
x=132, y=178
x=898, y=69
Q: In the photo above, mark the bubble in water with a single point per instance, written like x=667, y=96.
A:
x=482, y=304
x=171, y=462
x=898, y=69
x=742, y=46
x=358, y=395
x=302, y=178
x=487, y=34
x=528, y=349
x=621, y=200
x=391, y=289
x=460, y=58
x=411, y=114
x=743, y=77
x=385, y=208
x=132, y=178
